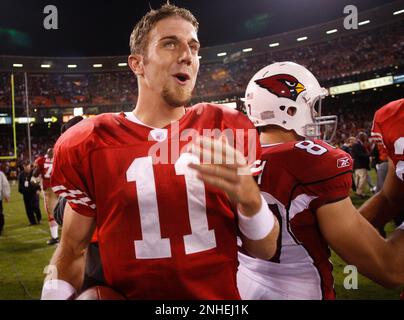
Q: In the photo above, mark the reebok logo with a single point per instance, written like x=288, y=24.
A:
x=343, y=162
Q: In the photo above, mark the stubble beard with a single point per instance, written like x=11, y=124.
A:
x=176, y=97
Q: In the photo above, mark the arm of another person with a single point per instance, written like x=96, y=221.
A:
x=356, y=241
x=69, y=258
x=387, y=203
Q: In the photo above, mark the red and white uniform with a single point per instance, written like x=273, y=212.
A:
x=44, y=165
x=297, y=179
x=388, y=126
x=162, y=233
x=45, y=168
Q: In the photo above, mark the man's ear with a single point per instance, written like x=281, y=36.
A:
x=135, y=62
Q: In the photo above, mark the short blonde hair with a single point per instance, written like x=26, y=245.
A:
x=138, y=38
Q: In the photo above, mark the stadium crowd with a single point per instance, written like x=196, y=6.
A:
x=331, y=61
x=361, y=53
x=355, y=114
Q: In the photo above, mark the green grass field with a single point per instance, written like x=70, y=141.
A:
x=24, y=255
x=23, y=251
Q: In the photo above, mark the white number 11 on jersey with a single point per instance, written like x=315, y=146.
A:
x=152, y=245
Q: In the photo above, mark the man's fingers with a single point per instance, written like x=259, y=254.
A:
x=221, y=146
x=218, y=171
x=216, y=147
x=207, y=157
x=216, y=151
x=215, y=181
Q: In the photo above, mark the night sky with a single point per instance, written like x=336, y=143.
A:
x=100, y=28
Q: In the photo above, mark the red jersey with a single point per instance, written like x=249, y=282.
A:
x=388, y=126
x=39, y=162
x=162, y=233
x=45, y=168
x=297, y=179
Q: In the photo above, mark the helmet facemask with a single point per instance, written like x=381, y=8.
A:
x=323, y=127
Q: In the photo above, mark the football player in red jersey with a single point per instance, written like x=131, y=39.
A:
x=43, y=169
x=306, y=182
x=388, y=128
x=166, y=229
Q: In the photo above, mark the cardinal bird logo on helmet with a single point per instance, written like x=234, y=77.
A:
x=282, y=85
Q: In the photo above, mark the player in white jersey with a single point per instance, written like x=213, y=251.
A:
x=306, y=183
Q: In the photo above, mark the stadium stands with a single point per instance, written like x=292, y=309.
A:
x=330, y=61
x=360, y=56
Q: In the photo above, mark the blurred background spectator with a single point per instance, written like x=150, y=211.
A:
x=361, y=157
x=30, y=192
